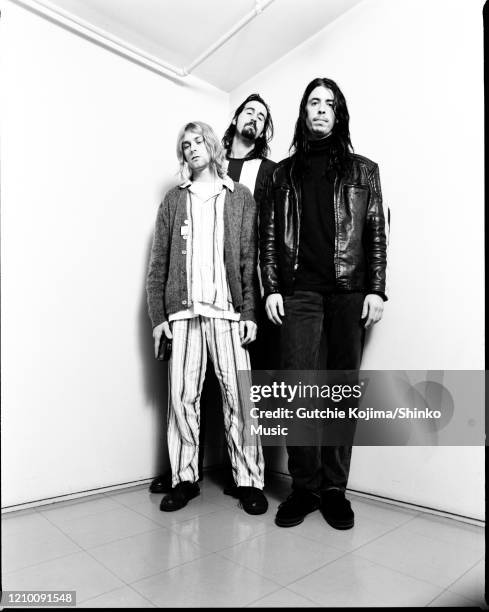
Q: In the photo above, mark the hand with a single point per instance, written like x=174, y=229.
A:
x=247, y=331
x=274, y=307
x=373, y=307
x=158, y=331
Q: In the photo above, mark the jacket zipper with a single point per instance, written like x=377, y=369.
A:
x=297, y=236
x=336, y=221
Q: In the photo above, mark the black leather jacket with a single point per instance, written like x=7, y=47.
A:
x=360, y=250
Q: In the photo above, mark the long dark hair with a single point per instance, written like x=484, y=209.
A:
x=261, y=148
x=341, y=147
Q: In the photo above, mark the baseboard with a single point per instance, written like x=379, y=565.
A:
x=214, y=468
x=402, y=504
x=88, y=493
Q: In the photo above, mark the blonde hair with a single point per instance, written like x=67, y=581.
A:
x=216, y=151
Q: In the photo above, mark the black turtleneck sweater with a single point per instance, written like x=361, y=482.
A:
x=316, y=270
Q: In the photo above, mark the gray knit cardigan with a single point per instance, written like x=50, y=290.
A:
x=166, y=283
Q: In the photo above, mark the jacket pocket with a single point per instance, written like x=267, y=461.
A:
x=356, y=197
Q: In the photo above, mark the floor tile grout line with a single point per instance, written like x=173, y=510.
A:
x=373, y=563
x=464, y=574
x=112, y=591
x=402, y=526
x=54, y=558
x=253, y=571
x=214, y=554
x=447, y=590
x=436, y=597
x=314, y=571
x=169, y=569
x=6, y=574
x=170, y=527
x=87, y=549
x=281, y=589
x=120, y=503
x=397, y=571
x=210, y=554
x=155, y=528
x=186, y=520
x=249, y=539
x=273, y=580
x=300, y=535
x=129, y=584
x=443, y=541
x=119, y=507
x=364, y=588
x=135, y=512
x=205, y=552
x=304, y=596
x=189, y=538
x=120, y=587
x=291, y=585
x=263, y=596
x=394, y=528
x=85, y=515
x=82, y=550
x=405, y=573
x=127, y=537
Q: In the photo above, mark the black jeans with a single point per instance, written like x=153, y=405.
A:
x=309, y=316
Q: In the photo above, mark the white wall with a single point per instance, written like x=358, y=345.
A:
x=412, y=74
x=87, y=151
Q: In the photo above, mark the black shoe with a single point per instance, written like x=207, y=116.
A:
x=230, y=488
x=180, y=495
x=161, y=484
x=336, y=509
x=298, y=504
x=252, y=500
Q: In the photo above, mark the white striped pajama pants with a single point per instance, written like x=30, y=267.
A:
x=191, y=338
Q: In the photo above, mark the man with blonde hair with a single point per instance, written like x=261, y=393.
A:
x=202, y=293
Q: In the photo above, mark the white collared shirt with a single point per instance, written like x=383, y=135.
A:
x=208, y=288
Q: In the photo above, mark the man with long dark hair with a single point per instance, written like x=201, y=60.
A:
x=323, y=263
x=246, y=142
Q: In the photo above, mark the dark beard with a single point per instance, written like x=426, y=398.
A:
x=249, y=132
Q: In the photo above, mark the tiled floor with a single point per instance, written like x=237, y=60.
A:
x=119, y=550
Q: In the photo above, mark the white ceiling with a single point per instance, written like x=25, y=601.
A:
x=178, y=31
